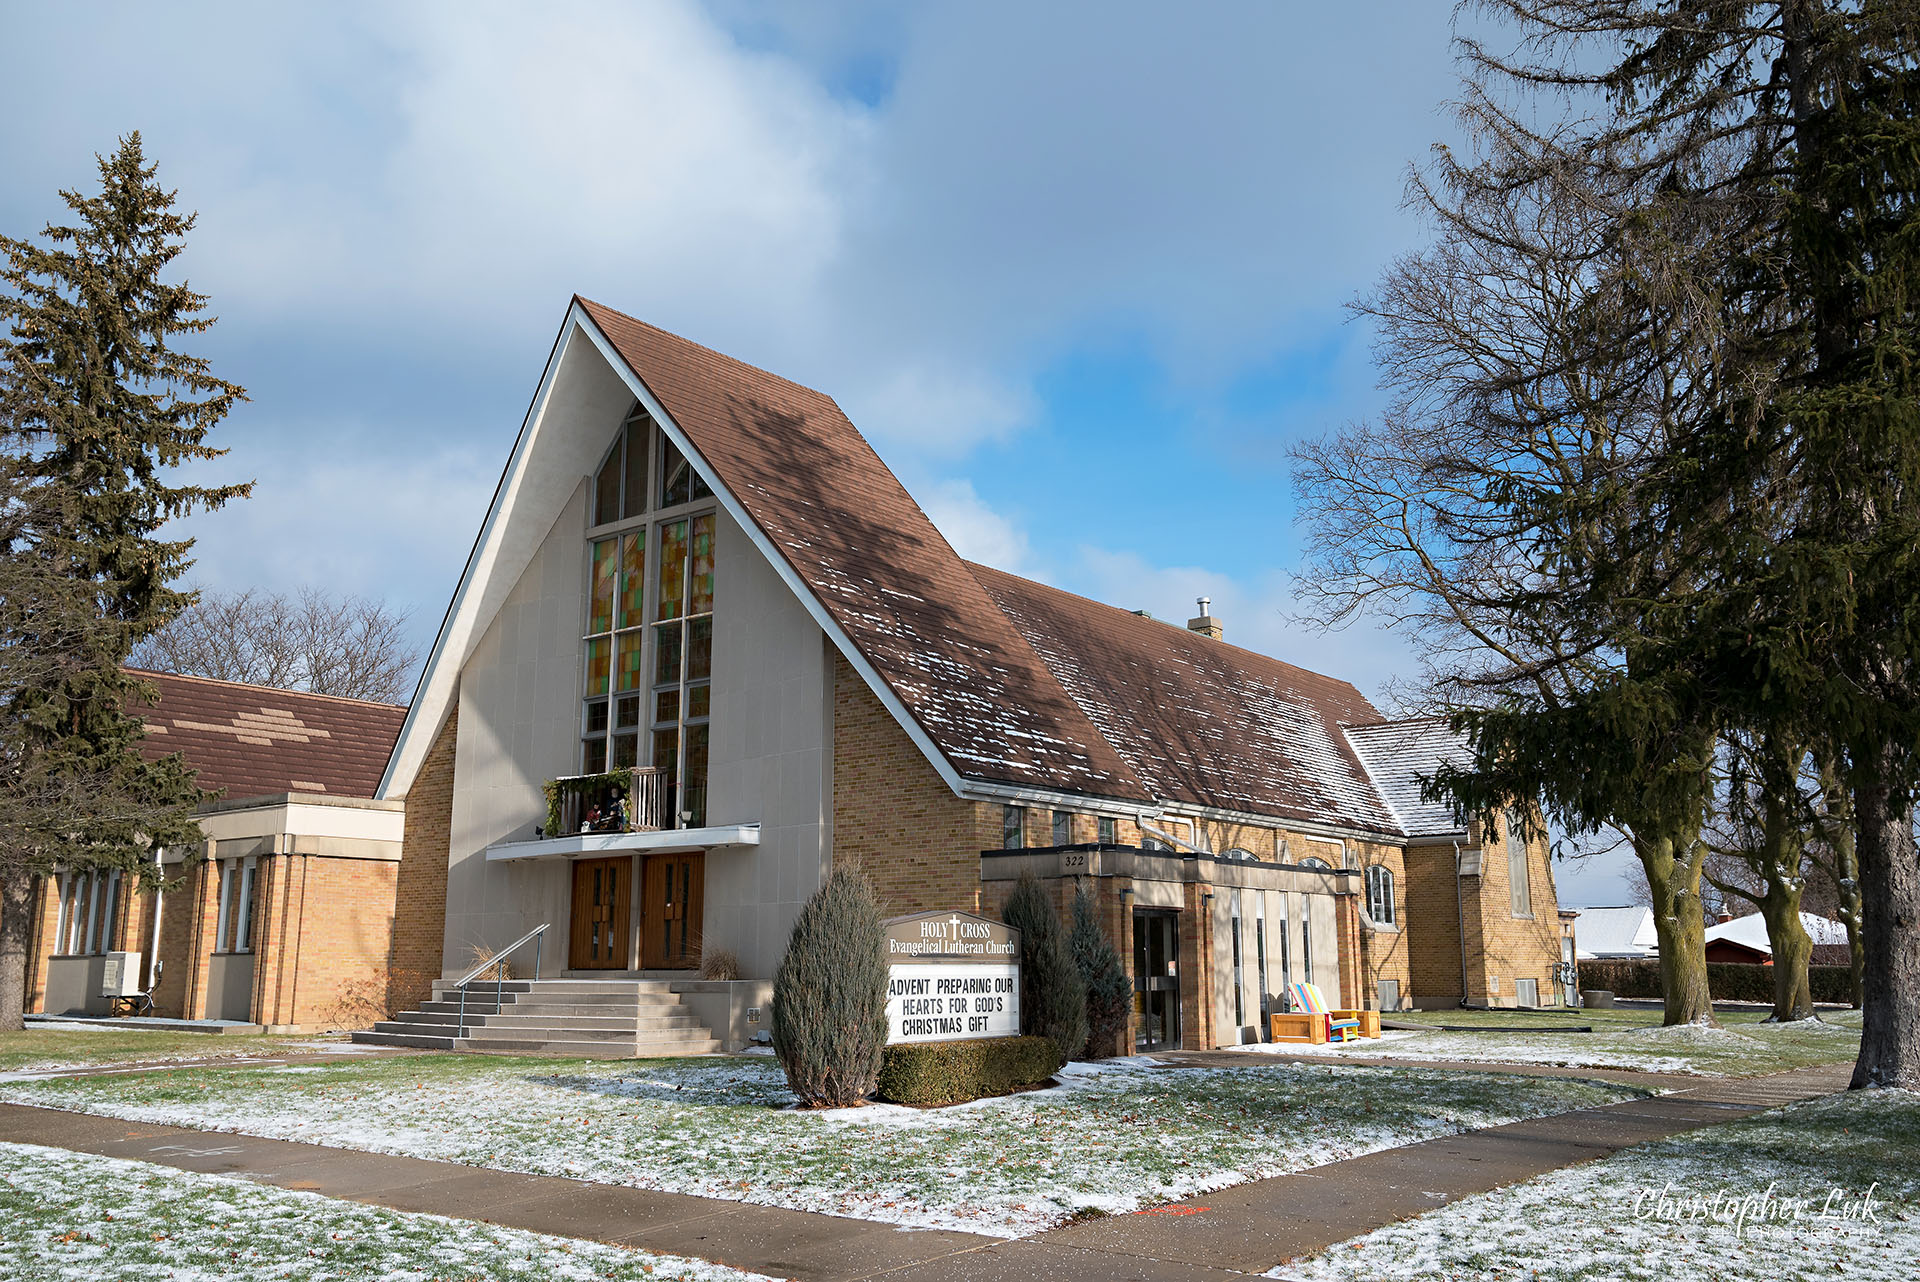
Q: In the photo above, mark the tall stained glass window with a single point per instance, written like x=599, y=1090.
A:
x=648, y=667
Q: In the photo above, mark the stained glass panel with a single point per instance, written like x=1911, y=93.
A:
x=700, y=648
x=666, y=653
x=636, y=470
x=626, y=751
x=628, y=675
x=593, y=757
x=673, y=570
x=629, y=714
x=666, y=707
x=695, y=793
x=606, y=490
x=702, y=567
x=606, y=573
x=699, y=700
x=633, y=579
x=676, y=478
x=599, y=664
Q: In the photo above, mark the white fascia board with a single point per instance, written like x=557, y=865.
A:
x=434, y=695
x=775, y=557
x=1305, y=827
x=730, y=836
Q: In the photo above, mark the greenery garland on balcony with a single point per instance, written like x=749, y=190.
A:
x=556, y=789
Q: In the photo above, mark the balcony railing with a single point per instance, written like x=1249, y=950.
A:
x=635, y=799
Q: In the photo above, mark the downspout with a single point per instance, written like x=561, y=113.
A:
x=159, y=894
x=1460, y=911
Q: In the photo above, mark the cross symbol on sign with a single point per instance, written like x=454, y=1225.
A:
x=954, y=922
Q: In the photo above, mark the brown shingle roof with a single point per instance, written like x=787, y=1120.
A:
x=1199, y=720
x=860, y=543
x=250, y=741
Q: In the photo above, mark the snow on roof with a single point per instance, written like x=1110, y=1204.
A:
x=1751, y=931
x=1397, y=756
x=1201, y=721
x=1617, y=932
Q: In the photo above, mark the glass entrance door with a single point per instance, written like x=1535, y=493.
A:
x=1156, y=980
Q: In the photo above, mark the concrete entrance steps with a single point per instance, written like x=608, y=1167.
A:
x=599, y=1018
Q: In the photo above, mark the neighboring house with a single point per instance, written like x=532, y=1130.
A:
x=1617, y=933
x=706, y=646
x=288, y=921
x=1744, y=939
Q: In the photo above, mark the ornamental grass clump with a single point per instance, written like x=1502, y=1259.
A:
x=1053, y=997
x=830, y=995
x=1109, y=990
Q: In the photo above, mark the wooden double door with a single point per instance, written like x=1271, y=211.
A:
x=672, y=897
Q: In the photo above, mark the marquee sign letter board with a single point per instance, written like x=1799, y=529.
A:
x=951, y=976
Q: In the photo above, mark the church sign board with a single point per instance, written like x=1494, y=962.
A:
x=951, y=976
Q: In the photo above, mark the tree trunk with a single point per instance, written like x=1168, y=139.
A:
x=1890, y=902
x=16, y=937
x=1781, y=858
x=1848, y=884
x=1792, y=950
x=1680, y=927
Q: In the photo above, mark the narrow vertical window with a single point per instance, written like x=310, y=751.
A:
x=1380, y=894
x=222, y=931
x=1109, y=832
x=109, y=911
x=1062, y=828
x=1012, y=828
x=1260, y=964
x=243, y=927
x=1517, y=868
x=1239, y=979
x=1306, y=939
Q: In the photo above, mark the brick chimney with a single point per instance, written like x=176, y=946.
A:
x=1724, y=918
x=1206, y=625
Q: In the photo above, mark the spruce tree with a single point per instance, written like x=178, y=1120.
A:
x=830, y=995
x=1053, y=997
x=1109, y=990
x=97, y=403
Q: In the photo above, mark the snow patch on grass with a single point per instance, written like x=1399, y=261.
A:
x=1114, y=1137
x=77, y=1215
x=1767, y=1197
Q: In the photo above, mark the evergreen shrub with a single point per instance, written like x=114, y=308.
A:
x=1109, y=990
x=1053, y=997
x=829, y=1009
x=926, y=1073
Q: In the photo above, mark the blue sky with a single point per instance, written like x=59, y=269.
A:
x=1078, y=271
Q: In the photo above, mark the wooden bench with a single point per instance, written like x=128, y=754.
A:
x=1314, y=1023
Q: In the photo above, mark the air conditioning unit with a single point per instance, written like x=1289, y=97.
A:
x=120, y=977
x=1470, y=863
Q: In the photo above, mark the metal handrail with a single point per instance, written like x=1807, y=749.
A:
x=499, y=960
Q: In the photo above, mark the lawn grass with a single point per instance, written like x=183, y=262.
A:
x=1111, y=1139
x=76, y=1215
x=40, y=1048
x=1744, y=1045
x=1607, y=1220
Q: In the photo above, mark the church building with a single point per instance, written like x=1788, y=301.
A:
x=706, y=646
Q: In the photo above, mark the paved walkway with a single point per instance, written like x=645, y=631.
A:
x=1241, y=1230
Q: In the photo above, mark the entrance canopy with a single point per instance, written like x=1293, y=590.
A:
x=629, y=843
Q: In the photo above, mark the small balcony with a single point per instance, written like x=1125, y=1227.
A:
x=633, y=799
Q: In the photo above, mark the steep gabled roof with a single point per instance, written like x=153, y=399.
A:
x=250, y=741
x=1397, y=756
x=873, y=560
x=1000, y=681
x=1201, y=721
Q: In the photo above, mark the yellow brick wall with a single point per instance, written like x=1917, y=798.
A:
x=1517, y=947
x=894, y=817
x=420, y=886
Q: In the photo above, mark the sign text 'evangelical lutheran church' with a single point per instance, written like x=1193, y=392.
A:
x=951, y=975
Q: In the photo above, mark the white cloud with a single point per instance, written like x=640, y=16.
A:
x=976, y=531
x=1258, y=615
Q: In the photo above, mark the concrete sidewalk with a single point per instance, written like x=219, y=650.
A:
x=1241, y=1230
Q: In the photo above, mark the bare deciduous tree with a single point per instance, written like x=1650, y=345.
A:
x=348, y=646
